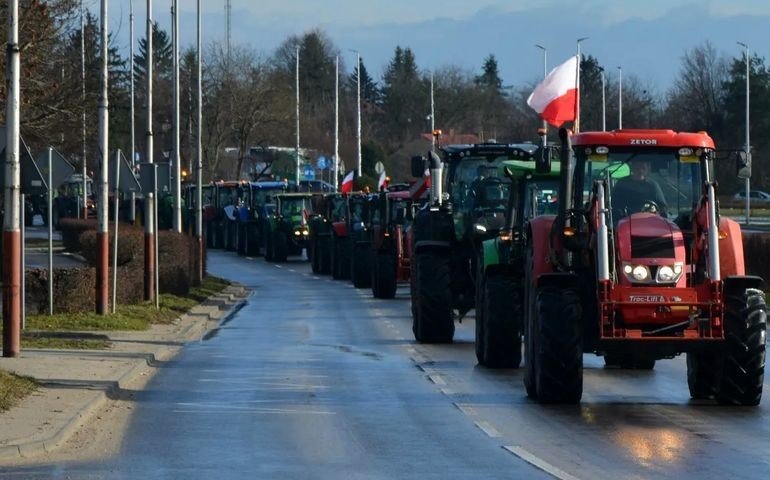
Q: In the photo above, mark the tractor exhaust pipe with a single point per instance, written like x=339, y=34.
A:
x=713, y=238
x=602, y=238
x=565, y=179
x=436, y=192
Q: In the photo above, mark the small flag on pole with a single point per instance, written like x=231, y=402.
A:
x=556, y=96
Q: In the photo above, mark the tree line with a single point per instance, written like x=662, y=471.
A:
x=249, y=98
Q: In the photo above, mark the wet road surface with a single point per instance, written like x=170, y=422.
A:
x=314, y=379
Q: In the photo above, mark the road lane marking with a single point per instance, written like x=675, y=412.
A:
x=437, y=379
x=466, y=409
x=281, y=411
x=292, y=270
x=539, y=463
x=447, y=391
x=487, y=428
x=316, y=278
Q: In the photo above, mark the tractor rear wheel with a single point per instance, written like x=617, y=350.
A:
x=341, y=259
x=269, y=255
x=280, y=247
x=702, y=373
x=501, y=330
x=432, y=320
x=384, y=275
x=360, y=266
x=743, y=365
x=558, y=341
x=313, y=253
x=323, y=250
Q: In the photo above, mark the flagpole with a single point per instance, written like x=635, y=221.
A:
x=544, y=134
x=336, y=122
x=577, y=86
x=620, y=98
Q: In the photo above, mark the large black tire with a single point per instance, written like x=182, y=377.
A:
x=743, y=363
x=360, y=266
x=501, y=322
x=558, y=345
x=314, y=254
x=384, y=273
x=325, y=255
x=702, y=373
x=240, y=235
x=269, y=254
x=432, y=320
x=529, y=346
x=341, y=259
x=280, y=247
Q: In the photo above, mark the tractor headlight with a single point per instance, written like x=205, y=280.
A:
x=640, y=273
x=297, y=233
x=669, y=273
x=305, y=233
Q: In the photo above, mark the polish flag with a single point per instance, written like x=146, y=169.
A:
x=383, y=181
x=347, y=182
x=555, y=97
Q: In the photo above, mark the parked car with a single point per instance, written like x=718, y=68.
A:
x=757, y=196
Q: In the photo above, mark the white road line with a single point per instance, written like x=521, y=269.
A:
x=447, y=391
x=466, y=409
x=277, y=266
x=316, y=278
x=437, y=379
x=217, y=411
x=292, y=270
x=487, y=428
x=539, y=463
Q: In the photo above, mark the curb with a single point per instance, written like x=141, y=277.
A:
x=238, y=295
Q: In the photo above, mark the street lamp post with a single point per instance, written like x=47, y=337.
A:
x=296, y=79
x=604, y=100
x=544, y=134
x=336, y=121
x=102, y=236
x=747, y=145
x=620, y=98
x=358, y=109
x=577, y=85
x=176, y=221
x=199, y=153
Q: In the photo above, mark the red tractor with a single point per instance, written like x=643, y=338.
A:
x=638, y=266
x=391, y=217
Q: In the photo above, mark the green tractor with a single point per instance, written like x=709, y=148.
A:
x=500, y=272
x=287, y=231
x=466, y=207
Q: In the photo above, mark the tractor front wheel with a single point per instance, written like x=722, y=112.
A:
x=558, y=342
x=501, y=318
x=384, y=283
x=360, y=266
x=432, y=320
x=280, y=247
x=702, y=371
x=743, y=363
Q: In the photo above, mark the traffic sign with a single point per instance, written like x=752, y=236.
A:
x=322, y=163
x=379, y=167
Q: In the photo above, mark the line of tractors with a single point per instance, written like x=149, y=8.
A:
x=608, y=243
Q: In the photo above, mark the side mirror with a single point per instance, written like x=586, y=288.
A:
x=742, y=165
x=418, y=166
x=543, y=160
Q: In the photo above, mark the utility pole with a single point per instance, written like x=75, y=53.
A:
x=747, y=146
x=199, y=153
x=336, y=121
x=296, y=78
x=132, y=149
x=83, y=99
x=12, y=220
x=149, y=197
x=102, y=236
x=176, y=158
x=228, y=27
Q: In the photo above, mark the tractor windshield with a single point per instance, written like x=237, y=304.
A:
x=544, y=195
x=478, y=183
x=228, y=196
x=294, y=207
x=650, y=180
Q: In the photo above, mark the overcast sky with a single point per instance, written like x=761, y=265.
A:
x=647, y=38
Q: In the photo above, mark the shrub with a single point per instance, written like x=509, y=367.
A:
x=71, y=228
x=756, y=247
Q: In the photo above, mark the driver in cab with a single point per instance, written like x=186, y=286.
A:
x=638, y=193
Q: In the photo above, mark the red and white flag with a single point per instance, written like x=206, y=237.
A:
x=383, y=181
x=555, y=97
x=347, y=182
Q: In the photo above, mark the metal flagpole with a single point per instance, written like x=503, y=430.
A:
x=577, y=85
x=50, y=230
x=199, y=153
x=620, y=98
x=149, y=197
x=432, y=115
x=115, y=238
x=83, y=99
x=358, y=110
x=336, y=122
x=296, y=75
x=132, y=149
x=176, y=158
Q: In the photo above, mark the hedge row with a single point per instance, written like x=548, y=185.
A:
x=74, y=288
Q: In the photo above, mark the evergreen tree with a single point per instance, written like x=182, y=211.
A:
x=405, y=97
x=490, y=76
x=370, y=92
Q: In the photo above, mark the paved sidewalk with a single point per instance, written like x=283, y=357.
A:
x=76, y=383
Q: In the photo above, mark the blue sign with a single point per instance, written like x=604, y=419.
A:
x=322, y=163
x=309, y=172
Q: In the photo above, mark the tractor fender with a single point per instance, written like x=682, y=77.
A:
x=731, y=261
x=540, y=245
x=739, y=283
x=490, y=253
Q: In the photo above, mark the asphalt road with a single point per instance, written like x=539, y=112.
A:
x=314, y=379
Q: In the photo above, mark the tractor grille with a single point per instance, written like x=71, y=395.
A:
x=652, y=247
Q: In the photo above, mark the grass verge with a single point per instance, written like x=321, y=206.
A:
x=13, y=388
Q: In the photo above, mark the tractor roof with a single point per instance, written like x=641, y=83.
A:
x=269, y=185
x=644, y=138
x=296, y=195
x=521, y=168
x=519, y=151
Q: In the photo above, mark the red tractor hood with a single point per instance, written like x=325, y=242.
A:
x=649, y=239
